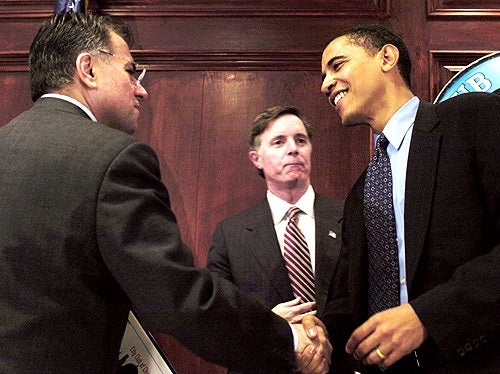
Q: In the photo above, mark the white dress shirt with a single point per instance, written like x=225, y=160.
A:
x=305, y=220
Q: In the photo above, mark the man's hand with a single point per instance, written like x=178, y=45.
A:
x=314, y=350
x=387, y=336
x=293, y=311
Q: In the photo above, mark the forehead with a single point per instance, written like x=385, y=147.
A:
x=337, y=48
x=119, y=46
x=285, y=125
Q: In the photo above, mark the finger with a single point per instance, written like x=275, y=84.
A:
x=379, y=356
x=359, y=335
x=307, y=306
x=309, y=323
x=317, y=366
x=303, y=308
x=310, y=313
x=290, y=303
x=295, y=319
x=366, y=346
x=306, y=356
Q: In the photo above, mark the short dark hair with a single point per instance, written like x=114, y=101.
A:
x=61, y=39
x=262, y=121
x=373, y=37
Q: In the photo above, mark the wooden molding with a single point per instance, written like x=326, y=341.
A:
x=443, y=65
x=463, y=8
x=204, y=8
x=26, y=9
x=14, y=61
x=198, y=60
x=229, y=60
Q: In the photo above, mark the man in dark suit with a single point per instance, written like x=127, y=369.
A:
x=87, y=231
x=445, y=195
x=247, y=248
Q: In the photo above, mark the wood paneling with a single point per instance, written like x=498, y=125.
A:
x=214, y=65
x=276, y=8
x=445, y=64
x=463, y=8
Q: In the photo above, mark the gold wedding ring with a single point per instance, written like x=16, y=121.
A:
x=380, y=354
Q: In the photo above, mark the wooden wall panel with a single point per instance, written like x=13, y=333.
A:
x=170, y=123
x=445, y=64
x=205, y=8
x=214, y=65
x=464, y=8
x=15, y=83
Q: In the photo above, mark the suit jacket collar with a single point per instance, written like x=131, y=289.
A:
x=265, y=248
x=52, y=103
x=421, y=178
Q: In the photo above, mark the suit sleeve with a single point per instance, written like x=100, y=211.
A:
x=140, y=243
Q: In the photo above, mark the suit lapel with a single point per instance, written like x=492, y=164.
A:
x=420, y=177
x=265, y=247
x=328, y=230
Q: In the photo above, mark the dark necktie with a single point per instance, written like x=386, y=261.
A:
x=383, y=262
x=298, y=259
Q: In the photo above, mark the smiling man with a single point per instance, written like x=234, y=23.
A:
x=249, y=248
x=417, y=289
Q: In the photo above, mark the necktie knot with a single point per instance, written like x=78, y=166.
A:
x=382, y=142
x=292, y=213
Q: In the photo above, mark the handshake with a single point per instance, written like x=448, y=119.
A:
x=314, y=349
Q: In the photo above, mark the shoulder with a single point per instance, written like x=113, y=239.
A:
x=473, y=103
x=465, y=113
x=249, y=216
x=331, y=206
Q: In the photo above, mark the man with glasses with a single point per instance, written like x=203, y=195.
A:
x=87, y=231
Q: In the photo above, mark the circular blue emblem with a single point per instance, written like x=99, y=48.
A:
x=483, y=75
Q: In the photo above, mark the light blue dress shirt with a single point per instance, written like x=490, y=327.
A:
x=398, y=131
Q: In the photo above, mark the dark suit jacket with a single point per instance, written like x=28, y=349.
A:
x=86, y=232
x=245, y=251
x=452, y=238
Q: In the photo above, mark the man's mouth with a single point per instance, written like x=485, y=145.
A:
x=338, y=97
x=294, y=164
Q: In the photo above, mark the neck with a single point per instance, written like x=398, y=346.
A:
x=290, y=194
x=394, y=100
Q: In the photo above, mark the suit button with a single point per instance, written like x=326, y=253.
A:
x=461, y=352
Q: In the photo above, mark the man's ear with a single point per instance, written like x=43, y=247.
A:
x=84, y=70
x=254, y=157
x=390, y=57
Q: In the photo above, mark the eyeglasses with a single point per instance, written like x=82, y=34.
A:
x=132, y=71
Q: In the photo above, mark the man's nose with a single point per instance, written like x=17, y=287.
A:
x=327, y=85
x=292, y=147
x=140, y=92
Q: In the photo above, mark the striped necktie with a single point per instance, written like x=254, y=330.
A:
x=298, y=259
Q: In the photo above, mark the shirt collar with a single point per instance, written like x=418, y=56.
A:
x=279, y=207
x=73, y=101
x=395, y=130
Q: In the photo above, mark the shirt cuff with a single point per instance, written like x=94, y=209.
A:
x=295, y=337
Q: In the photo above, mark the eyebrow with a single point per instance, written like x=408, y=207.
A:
x=131, y=62
x=333, y=59
x=330, y=63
